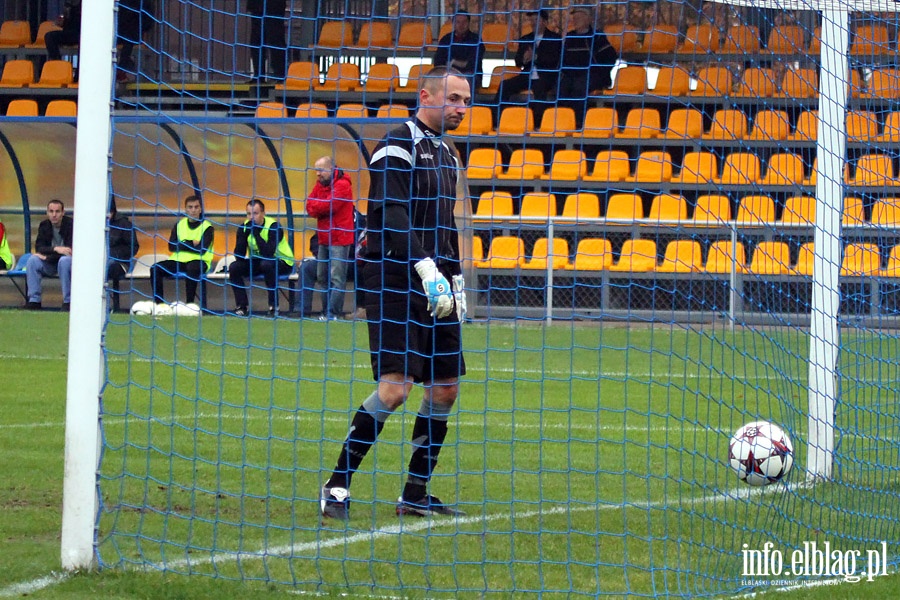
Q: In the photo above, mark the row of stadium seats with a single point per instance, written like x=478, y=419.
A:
x=646, y=123
x=709, y=209
x=718, y=81
x=681, y=256
x=317, y=110
x=54, y=74
x=26, y=107
x=653, y=166
x=17, y=34
x=411, y=36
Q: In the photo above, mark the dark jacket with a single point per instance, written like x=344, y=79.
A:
x=589, y=57
x=270, y=8
x=43, y=243
x=123, y=242
x=545, y=58
x=464, y=55
x=71, y=22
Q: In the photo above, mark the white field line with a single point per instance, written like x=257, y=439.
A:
x=26, y=588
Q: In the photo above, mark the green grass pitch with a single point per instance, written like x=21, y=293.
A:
x=590, y=459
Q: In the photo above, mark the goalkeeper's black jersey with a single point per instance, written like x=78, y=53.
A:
x=412, y=196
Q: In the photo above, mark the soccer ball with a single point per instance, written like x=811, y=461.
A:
x=761, y=453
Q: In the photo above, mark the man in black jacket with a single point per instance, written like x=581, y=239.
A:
x=588, y=59
x=52, y=256
x=267, y=39
x=539, y=57
x=123, y=244
x=69, y=35
x=462, y=50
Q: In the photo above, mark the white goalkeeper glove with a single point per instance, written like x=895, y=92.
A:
x=459, y=296
x=437, y=288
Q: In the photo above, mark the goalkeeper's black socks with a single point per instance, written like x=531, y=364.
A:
x=428, y=438
x=364, y=430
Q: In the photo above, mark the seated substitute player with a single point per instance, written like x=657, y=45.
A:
x=412, y=251
x=191, y=243
x=260, y=247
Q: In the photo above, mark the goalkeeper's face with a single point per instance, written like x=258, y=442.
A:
x=444, y=102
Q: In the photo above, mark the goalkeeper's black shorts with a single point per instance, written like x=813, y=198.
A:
x=403, y=337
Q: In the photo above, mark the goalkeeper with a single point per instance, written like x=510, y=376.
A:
x=414, y=315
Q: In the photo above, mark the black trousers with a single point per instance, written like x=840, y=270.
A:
x=267, y=41
x=242, y=268
x=192, y=271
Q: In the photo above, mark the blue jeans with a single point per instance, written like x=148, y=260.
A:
x=307, y=269
x=331, y=277
x=37, y=268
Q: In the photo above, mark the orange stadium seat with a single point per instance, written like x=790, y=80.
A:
x=757, y=83
x=652, y=167
x=870, y=40
x=799, y=83
x=641, y=123
x=771, y=258
x=741, y=39
x=61, y=108
x=891, y=131
x=672, y=81
x=335, y=34
x=813, y=174
x=493, y=204
x=582, y=205
x=375, y=34
x=271, y=110
x=787, y=39
x=478, y=121
x=625, y=208
x=893, y=263
x=556, y=253
x=22, y=107
x=697, y=167
x=301, y=75
x=815, y=43
x=630, y=80
x=712, y=209
x=621, y=38
x=772, y=125
x=382, y=77
x=392, y=111
x=524, y=163
x=342, y=77
x=592, y=254
x=799, y=210
x=862, y=126
x=668, y=207
x=784, y=169
x=807, y=128
x=722, y=259
x=567, y=165
x=857, y=85
x=15, y=33
x=600, y=122
x=662, y=39
x=557, y=121
x=43, y=29
x=446, y=28
x=609, y=166
x=496, y=36
x=756, y=210
x=537, y=206
x=728, y=124
x=477, y=249
x=806, y=259
x=55, y=74
x=516, y=120
x=700, y=39
x=498, y=75
x=484, y=163
x=506, y=252
x=874, y=170
x=682, y=256
x=351, y=111
x=861, y=259
x=740, y=168
x=636, y=256
x=17, y=73
x=311, y=110
x=412, y=79
x=886, y=213
x=713, y=81
x=885, y=83
x=415, y=35
x=853, y=214
x=685, y=123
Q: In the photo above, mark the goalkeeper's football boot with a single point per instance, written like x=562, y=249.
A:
x=425, y=507
x=335, y=503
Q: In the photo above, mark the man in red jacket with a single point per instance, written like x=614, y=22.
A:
x=331, y=203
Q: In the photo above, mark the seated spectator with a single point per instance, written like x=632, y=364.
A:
x=587, y=62
x=69, y=35
x=52, y=256
x=123, y=244
x=267, y=39
x=261, y=247
x=134, y=18
x=6, y=257
x=462, y=49
x=538, y=57
x=191, y=243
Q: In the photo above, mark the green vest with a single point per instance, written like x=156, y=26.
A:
x=186, y=234
x=282, y=250
x=5, y=253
